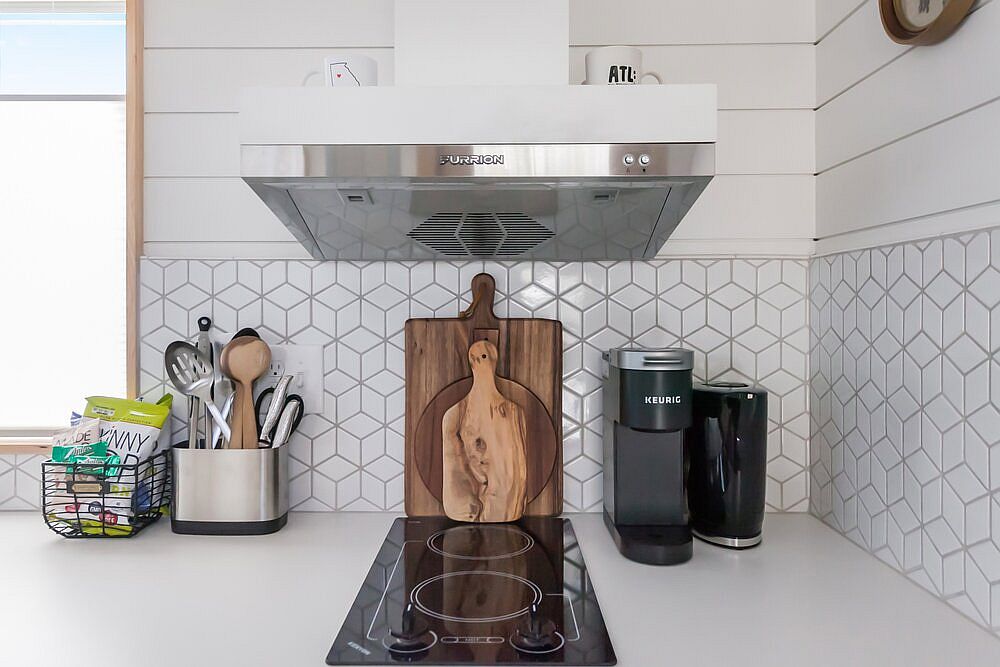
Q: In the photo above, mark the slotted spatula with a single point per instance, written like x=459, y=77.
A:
x=191, y=372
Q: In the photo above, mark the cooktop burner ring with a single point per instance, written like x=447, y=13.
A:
x=532, y=586
x=528, y=540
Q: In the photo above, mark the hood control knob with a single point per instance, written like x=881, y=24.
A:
x=643, y=159
x=628, y=159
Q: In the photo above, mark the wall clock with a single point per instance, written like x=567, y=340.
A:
x=922, y=21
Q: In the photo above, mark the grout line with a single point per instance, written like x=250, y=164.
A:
x=894, y=59
x=840, y=22
x=915, y=218
x=271, y=48
x=910, y=134
x=175, y=113
x=391, y=47
x=864, y=78
x=684, y=44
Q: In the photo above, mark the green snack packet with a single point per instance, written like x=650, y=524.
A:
x=96, y=455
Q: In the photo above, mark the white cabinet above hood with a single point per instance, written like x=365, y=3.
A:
x=508, y=172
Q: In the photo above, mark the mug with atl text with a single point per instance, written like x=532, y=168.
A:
x=351, y=70
x=616, y=66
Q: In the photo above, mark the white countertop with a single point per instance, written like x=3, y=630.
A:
x=805, y=597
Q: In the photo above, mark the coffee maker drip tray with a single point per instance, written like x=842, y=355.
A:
x=446, y=593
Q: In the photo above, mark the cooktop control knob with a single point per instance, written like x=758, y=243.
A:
x=537, y=635
x=412, y=636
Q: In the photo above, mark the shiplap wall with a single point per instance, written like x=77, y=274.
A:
x=199, y=53
x=907, y=138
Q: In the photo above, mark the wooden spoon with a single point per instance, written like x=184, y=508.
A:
x=244, y=359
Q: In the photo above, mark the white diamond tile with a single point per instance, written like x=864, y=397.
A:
x=533, y=297
x=349, y=457
x=932, y=341
x=632, y=296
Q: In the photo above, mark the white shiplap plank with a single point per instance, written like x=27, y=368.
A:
x=831, y=12
x=766, y=142
x=950, y=222
x=767, y=76
x=925, y=86
x=207, y=209
x=750, y=142
x=858, y=47
x=268, y=23
x=748, y=77
x=192, y=144
x=947, y=167
x=225, y=250
x=740, y=248
x=211, y=79
x=752, y=207
x=369, y=23
x=226, y=210
x=643, y=22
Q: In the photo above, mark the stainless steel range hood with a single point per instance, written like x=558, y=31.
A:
x=350, y=196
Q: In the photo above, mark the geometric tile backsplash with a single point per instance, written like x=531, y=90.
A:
x=745, y=319
x=905, y=407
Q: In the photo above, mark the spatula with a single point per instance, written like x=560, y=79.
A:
x=191, y=372
x=244, y=359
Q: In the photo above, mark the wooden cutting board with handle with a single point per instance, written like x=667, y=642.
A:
x=483, y=433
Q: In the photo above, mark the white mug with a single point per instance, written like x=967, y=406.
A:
x=616, y=66
x=351, y=70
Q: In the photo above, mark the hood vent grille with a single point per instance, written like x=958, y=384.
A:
x=502, y=235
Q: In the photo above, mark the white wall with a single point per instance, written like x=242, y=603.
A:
x=200, y=52
x=907, y=138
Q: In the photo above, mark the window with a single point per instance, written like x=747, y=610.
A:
x=62, y=210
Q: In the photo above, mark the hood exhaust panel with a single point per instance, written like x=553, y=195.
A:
x=549, y=202
x=481, y=234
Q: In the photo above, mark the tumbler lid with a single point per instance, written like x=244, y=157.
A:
x=727, y=388
x=650, y=358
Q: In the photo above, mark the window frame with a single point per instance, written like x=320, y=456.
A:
x=38, y=441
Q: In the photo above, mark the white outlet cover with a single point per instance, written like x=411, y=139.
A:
x=305, y=363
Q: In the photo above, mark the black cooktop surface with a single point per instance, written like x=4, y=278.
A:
x=446, y=593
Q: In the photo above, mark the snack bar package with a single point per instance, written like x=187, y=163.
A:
x=131, y=428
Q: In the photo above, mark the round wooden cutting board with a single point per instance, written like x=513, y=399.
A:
x=541, y=436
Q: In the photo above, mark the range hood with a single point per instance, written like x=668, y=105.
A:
x=506, y=173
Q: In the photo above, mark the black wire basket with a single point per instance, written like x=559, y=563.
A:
x=105, y=500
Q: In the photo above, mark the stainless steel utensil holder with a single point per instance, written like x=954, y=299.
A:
x=229, y=491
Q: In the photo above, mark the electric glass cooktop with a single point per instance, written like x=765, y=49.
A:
x=446, y=593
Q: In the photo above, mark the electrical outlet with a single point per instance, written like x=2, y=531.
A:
x=305, y=364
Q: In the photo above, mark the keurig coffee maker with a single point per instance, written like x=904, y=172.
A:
x=647, y=406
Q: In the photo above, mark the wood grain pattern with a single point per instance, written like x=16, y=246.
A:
x=544, y=447
x=484, y=476
x=529, y=370
x=133, y=187
x=243, y=360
